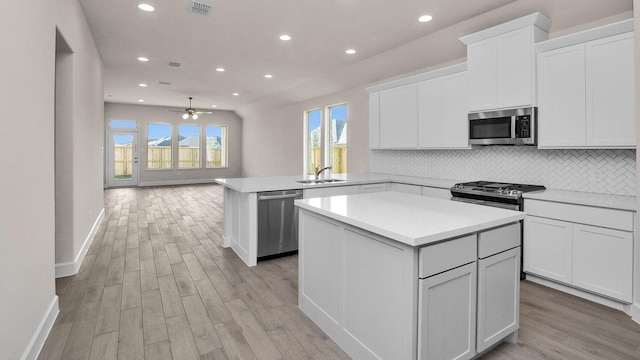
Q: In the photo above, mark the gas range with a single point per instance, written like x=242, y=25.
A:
x=498, y=194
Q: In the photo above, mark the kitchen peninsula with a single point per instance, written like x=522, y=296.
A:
x=397, y=276
x=241, y=199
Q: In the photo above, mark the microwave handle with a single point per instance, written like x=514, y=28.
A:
x=513, y=126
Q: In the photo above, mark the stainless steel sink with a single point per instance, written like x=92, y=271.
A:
x=319, y=181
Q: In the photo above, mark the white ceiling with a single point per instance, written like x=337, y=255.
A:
x=242, y=37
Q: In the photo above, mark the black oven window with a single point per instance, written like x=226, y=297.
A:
x=496, y=128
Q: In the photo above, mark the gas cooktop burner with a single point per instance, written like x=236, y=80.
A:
x=498, y=189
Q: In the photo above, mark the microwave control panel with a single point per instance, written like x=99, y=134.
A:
x=523, y=126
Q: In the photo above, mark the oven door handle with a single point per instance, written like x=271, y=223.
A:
x=488, y=203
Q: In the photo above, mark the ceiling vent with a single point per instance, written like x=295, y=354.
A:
x=199, y=8
x=164, y=82
x=174, y=64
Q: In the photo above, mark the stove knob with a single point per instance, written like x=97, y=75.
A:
x=514, y=192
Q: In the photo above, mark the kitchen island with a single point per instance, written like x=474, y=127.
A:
x=399, y=276
x=241, y=200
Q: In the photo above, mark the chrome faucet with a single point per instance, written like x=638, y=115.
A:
x=319, y=171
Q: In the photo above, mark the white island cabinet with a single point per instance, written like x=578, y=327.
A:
x=391, y=275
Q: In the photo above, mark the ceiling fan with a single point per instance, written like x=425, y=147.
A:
x=191, y=112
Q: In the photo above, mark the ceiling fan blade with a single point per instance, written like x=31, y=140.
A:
x=176, y=111
x=204, y=112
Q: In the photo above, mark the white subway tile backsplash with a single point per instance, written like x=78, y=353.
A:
x=598, y=171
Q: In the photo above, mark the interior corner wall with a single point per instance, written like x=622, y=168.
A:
x=273, y=138
x=636, y=262
x=145, y=114
x=79, y=136
x=26, y=173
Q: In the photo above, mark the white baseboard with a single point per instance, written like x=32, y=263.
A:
x=71, y=268
x=624, y=307
x=37, y=340
x=177, y=182
x=635, y=312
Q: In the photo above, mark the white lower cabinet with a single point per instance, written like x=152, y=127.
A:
x=598, y=259
x=373, y=188
x=447, y=315
x=498, y=297
x=603, y=261
x=464, y=310
x=548, y=246
x=381, y=299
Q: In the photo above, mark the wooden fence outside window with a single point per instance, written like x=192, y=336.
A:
x=159, y=157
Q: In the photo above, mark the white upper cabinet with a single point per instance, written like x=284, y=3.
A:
x=425, y=111
x=442, y=112
x=501, y=63
x=586, y=89
x=374, y=120
x=610, y=91
x=399, y=117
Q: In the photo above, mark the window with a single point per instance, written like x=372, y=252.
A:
x=326, y=139
x=189, y=146
x=159, y=146
x=122, y=157
x=216, y=146
x=337, y=139
x=313, y=140
x=122, y=124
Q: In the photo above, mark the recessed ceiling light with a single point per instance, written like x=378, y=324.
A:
x=235, y=94
x=145, y=7
x=214, y=105
x=285, y=37
x=140, y=100
x=143, y=59
x=142, y=85
x=220, y=69
x=425, y=18
x=268, y=76
x=350, y=51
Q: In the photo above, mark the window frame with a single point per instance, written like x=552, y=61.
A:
x=224, y=143
x=325, y=136
x=200, y=148
x=171, y=145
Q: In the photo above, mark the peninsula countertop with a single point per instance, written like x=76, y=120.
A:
x=271, y=183
x=410, y=219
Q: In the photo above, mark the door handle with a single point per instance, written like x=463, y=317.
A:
x=274, y=197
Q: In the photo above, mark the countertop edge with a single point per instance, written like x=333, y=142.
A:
x=609, y=201
x=410, y=241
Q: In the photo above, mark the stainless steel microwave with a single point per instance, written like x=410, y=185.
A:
x=504, y=127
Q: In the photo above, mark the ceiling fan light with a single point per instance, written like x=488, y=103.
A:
x=195, y=116
x=185, y=116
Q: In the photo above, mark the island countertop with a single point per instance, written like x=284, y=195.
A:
x=410, y=219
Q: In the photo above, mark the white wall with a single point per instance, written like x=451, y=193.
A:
x=79, y=135
x=273, y=138
x=26, y=171
x=34, y=201
x=144, y=114
x=636, y=277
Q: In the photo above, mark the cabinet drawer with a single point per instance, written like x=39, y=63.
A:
x=497, y=240
x=610, y=218
x=447, y=255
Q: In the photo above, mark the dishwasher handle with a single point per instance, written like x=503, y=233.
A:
x=274, y=197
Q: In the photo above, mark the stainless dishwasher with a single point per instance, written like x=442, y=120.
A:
x=277, y=223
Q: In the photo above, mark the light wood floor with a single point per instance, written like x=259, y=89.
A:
x=156, y=284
